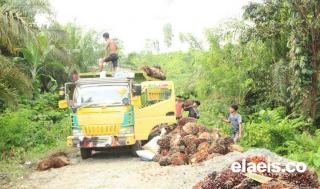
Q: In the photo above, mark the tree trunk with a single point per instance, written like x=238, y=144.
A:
x=34, y=74
x=314, y=78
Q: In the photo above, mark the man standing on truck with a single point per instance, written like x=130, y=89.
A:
x=111, y=54
x=235, y=121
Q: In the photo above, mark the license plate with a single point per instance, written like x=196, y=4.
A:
x=104, y=141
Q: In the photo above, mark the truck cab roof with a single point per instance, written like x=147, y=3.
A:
x=88, y=81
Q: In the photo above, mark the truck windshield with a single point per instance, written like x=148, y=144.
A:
x=101, y=95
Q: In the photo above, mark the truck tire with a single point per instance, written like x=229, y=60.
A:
x=135, y=147
x=85, y=153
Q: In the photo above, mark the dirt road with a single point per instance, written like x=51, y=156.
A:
x=119, y=170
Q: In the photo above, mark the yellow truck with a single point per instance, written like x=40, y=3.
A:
x=110, y=112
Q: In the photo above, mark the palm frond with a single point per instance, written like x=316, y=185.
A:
x=8, y=95
x=12, y=82
x=30, y=8
x=15, y=28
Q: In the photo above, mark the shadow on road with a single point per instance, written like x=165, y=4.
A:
x=113, y=153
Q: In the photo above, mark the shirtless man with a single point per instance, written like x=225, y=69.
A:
x=112, y=54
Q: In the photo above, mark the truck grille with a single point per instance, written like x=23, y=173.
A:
x=95, y=130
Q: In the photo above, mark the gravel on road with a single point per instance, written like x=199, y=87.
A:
x=119, y=170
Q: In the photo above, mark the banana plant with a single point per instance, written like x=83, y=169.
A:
x=36, y=54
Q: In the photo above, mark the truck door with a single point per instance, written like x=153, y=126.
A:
x=157, y=107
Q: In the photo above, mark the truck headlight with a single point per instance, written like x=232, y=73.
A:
x=76, y=132
x=127, y=130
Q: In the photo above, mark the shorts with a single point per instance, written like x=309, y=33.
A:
x=112, y=58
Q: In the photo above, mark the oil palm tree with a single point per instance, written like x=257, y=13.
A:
x=14, y=28
x=17, y=22
x=12, y=82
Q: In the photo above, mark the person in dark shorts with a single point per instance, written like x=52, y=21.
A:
x=112, y=52
x=193, y=110
x=235, y=120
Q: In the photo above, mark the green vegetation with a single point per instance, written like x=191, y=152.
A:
x=268, y=63
x=37, y=124
x=34, y=62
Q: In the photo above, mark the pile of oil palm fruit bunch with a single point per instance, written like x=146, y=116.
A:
x=238, y=180
x=189, y=142
x=55, y=160
x=154, y=72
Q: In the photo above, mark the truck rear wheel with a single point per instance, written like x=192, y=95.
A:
x=135, y=147
x=85, y=153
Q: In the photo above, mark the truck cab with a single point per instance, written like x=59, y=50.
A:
x=110, y=112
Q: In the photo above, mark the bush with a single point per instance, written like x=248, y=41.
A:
x=286, y=136
x=35, y=124
x=306, y=148
x=271, y=129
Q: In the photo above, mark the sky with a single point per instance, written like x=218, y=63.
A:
x=134, y=21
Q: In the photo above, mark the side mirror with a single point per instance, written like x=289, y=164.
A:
x=63, y=104
x=61, y=93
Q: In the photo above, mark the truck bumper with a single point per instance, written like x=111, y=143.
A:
x=100, y=141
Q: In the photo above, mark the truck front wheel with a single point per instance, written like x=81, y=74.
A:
x=85, y=153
